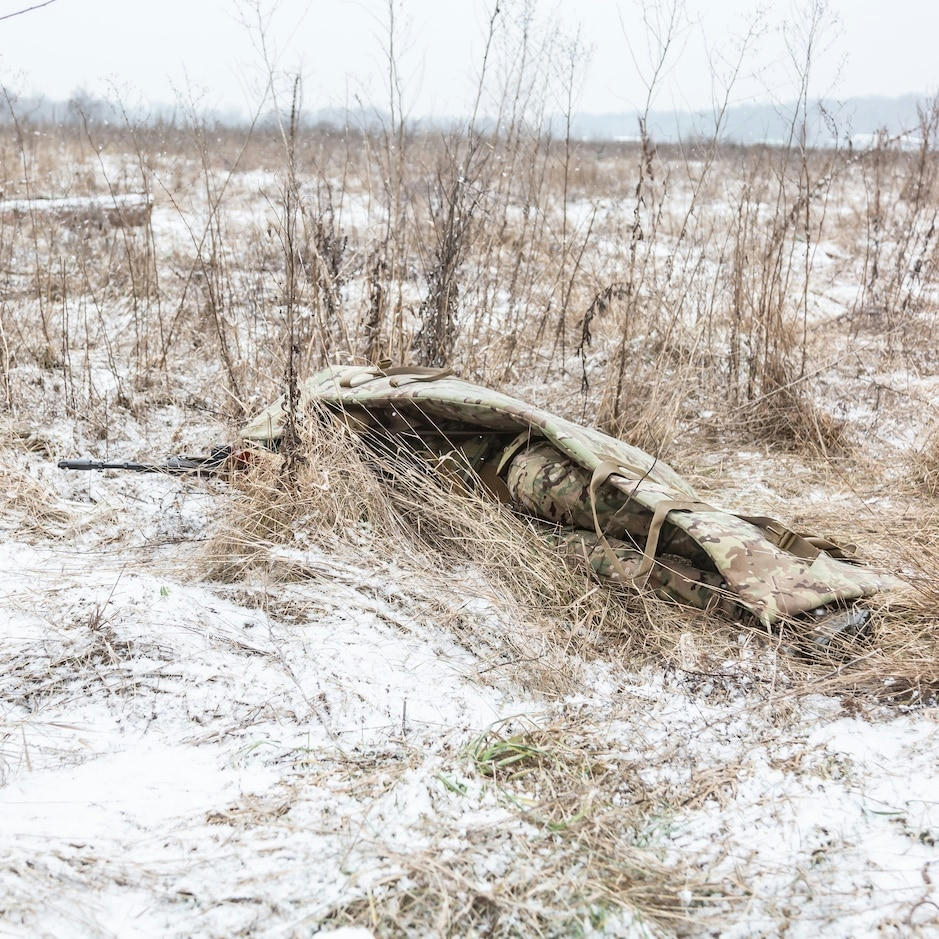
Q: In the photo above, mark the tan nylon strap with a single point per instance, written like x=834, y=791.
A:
x=414, y=372
x=806, y=547
x=401, y=372
x=802, y=546
x=661, y=512
x=346, y=380
x=784, y=538
x=844, y=552
x=601, y=474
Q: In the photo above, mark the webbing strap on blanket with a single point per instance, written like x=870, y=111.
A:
x=396, y=373
x=600, y=475
x=807, y=547
x=658, y=520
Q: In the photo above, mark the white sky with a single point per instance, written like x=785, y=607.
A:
x=150, y=50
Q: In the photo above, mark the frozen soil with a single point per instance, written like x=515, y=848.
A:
x=182, y=756
x=356, y=749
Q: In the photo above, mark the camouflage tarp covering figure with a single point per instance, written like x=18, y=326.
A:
x=628, y=514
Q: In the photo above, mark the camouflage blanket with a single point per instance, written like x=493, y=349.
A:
x=769, y=570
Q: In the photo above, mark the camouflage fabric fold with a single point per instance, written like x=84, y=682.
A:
x=603, y=488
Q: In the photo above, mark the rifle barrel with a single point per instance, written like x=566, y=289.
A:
x=102, y=465
x=208, y=465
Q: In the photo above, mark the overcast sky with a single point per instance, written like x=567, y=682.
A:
x=153, y=51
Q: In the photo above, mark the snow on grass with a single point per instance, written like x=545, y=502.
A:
x=273, y=756
x=832, y=832
x=283, y=755
x=144, y=716
x=182, y=757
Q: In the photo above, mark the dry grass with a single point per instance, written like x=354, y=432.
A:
x=900, y=662
x=32, y=508
x=573, y=847
x=37, y=508
x=786, y=418
x=576, y=816
x=712, y=291
x=926, y=464
x=332, y=496
x=445, y=544
x=391, y=509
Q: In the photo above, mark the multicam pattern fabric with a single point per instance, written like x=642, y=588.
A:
x=614, y=497
x=671, y=578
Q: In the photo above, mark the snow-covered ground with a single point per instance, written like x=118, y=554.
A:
x=181, y=756
x=337, y=741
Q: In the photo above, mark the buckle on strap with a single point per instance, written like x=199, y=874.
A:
x=784, y=538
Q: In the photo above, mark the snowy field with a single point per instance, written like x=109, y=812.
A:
x=184, y=757
x=358, y=748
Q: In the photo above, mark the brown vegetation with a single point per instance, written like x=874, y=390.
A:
x=679, y=296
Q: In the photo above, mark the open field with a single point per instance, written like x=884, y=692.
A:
x=242, y=710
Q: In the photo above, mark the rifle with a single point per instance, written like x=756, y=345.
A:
x=203, y=467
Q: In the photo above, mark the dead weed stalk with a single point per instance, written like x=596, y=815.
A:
x=925, y=464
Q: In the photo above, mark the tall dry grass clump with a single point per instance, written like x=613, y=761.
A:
x=328, y=498
x=787, y=418
x=383, y=507
x=901, y=661
x=925, y=463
